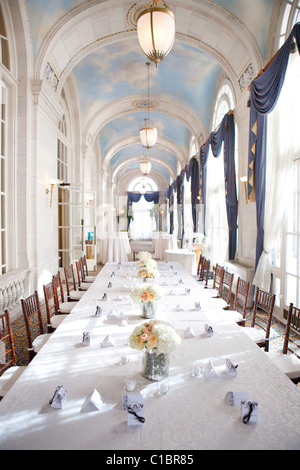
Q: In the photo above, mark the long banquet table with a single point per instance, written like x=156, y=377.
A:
x=194, y=414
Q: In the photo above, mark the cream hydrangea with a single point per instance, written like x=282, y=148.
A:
x=144, y=255
x=146, y=293
x=155, y=335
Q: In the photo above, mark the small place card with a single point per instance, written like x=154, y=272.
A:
x=235, y=398
x=108, y=342
x=59, y=398
x=105, y=296
x=249, y=411
x=178, y=308
x=208, y=330
x=93, y=402
x=197, y=306
x=109, y=285
x=119, y=297
x=134, y=404
x=112, y=274
x=189, y=333
x=180, y=281
x=187, y=291
x=113, y=314
x=86, y=338
x=231, y=369
x=210, y=371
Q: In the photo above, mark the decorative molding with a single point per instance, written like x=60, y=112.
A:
x=246, y=78
x=51, y=76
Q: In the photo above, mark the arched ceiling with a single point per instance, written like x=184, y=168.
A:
x=96, y=42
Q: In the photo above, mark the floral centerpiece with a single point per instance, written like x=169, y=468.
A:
x=144, y=255
x=146, y=296
x=158, y=339
x=148, y=269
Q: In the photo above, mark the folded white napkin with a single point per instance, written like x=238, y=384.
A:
x=231, y=368
x=178, y=308
x=108, y=342
x=113, y=314
x=187, y=291
x=98, y=312
x=59, y=398
x=86, y=338
x=210, y=371
x=197, y=306
x=93, y=402
x=119, y=297
x=105, y=296
x=208, y=330
x=189, y=333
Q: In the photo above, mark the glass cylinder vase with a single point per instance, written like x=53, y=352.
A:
x=148, y=309
x=155, y=365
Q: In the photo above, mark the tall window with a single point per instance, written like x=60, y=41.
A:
x=143, y=224
x=63, y=194
x=4, y=146
x=291, y=16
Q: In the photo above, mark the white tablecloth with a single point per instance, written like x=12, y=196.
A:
x=162, y=242
x=186, y=258
x=114, y=248
x=195, y=414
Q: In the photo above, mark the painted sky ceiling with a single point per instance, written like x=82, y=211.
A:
x=118, y=70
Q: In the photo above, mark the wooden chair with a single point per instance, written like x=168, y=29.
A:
x=205, y=272
x=289, y=364
x=80, y=275
x=54, y=318
x=33, y=322
x=238, y=313
x=218, y=279
x=9, y=371
x=201, y=259
x=87, y=277
x=262, y=317
x=64, y=307
x=226, y=288
x=72, y=292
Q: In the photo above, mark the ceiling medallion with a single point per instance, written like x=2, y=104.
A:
x=144, y=104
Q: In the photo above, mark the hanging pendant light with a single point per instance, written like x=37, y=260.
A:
x=148, y=133
x=145, y=167
x=156, y=31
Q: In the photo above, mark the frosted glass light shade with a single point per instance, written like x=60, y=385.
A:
x=156, y=32
x=145, y=167
x=148, y=136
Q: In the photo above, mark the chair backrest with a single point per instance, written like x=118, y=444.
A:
x=293, y=322
x=241, y=297
x=201, y=259
x=33, y=320
x=85, y=268
x=205, y=275
x=58, y=288
x=7, y=348
x=50, y=303
x=218, y=278
x=262, y=313
x=80, y=272
x=227, y=287
x=70, y=279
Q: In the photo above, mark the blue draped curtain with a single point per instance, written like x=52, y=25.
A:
x=264, y=93
x=225, y=134
x=194, y=173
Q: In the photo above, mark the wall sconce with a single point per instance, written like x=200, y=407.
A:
x=244, y=180
x=52, y=183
